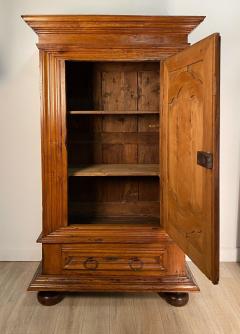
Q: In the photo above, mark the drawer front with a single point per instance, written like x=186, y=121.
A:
x=114, y=259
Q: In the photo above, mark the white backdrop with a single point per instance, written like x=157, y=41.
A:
x=20, y=173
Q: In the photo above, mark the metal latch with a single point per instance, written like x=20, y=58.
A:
x=205, y=159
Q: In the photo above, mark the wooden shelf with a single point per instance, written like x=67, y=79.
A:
x=115, y=170
x=108, y=112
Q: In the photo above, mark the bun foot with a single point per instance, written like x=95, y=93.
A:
x=49, y=298
x=175, y=298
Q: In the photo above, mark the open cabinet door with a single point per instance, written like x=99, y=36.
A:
x=189, y=158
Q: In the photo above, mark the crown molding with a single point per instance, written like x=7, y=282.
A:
x=76, y=24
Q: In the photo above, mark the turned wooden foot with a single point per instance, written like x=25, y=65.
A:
x=175, y=298
x=49, y=298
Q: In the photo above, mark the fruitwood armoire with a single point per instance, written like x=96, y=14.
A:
x=130, y=154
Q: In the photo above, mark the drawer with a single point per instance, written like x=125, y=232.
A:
x=114, y=259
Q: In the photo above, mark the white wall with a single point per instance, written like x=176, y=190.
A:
x=20, y=174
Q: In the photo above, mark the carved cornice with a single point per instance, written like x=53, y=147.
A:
x=65, y=24
x=110, y=31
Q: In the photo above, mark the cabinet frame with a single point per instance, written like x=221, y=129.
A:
x=83, y=38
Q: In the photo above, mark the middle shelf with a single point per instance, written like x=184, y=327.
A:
x=115, y=170
x=113, y=112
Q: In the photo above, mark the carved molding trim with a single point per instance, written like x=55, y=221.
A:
x=94, y=24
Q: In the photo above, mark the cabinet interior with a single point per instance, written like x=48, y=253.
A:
x=113, y=142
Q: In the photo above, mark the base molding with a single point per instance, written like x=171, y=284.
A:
x=41, y=282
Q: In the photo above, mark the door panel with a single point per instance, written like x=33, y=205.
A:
x=190, y=123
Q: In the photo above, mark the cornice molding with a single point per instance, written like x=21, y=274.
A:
x=72, y=24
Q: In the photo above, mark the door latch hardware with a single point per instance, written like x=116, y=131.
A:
x=205, y=159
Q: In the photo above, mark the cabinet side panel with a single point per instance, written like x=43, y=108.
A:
x=51, y=259
x=54, y=156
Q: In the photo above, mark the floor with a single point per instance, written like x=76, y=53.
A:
x=216, y=309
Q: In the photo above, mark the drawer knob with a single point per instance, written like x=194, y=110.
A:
x=90, y=263
x=135, y=264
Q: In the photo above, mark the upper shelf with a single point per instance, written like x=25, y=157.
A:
x=115, y=170
x=108, y=112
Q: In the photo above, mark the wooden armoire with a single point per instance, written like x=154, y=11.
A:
x=130, y=155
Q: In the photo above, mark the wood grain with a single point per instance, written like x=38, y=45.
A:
x=144, y=230
x=112, y=31
x=115, y=259
x=111, y=63
x=113, y=139
x=115, y=170
x=107, y=112
x=114, y=87
x=190, y=192
x=81, y=210
x=130, y=283
x=113, y=197
x=53, y=139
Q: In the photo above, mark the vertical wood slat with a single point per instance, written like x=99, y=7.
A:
x=116, y=189
x=54, y=155
x=148, y=90
x=123, y=86
x=119, y=90
x=126, y=86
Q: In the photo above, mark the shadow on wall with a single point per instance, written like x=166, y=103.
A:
x=2, y=72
